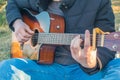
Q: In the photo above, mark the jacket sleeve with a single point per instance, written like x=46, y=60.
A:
x=105, y=21
x=12, y=12
x=13, y=9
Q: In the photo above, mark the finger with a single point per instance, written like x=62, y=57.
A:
x=86, y=51
x=22, y=35
x=87, y=40
x=18, y=38
x=74, y=39
x=28, y=30
x=75, y=45
x=25, y=34
x=22, y=38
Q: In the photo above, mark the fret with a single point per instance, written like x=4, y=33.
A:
x=98, y=42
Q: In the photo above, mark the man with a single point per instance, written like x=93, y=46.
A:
x=71, y=62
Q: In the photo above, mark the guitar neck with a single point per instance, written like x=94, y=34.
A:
x=56, y=38
x=111, y=41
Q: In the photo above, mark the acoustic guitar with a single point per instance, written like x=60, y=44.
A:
x=49, y=33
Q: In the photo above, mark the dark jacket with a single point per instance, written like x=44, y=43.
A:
x=79, y=15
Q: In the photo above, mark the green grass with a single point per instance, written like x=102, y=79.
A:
x=116, y=9
x=5, y=33
x=5, y=39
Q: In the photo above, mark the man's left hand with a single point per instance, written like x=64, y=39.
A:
x=86, y=56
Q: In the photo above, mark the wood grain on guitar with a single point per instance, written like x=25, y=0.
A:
x=49, y=32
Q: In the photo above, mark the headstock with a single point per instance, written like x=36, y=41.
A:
x=112, y=41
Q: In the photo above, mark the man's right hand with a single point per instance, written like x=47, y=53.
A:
x=22, y=31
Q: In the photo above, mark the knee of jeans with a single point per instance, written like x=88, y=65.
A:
x=114, y=62
x=14, y=61
x=113, y=66
x=112, y=75
x=112, y=70
x=10, y=68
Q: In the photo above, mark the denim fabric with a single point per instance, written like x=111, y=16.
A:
x=24, y=69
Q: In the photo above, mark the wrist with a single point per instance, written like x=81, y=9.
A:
x=16, y=22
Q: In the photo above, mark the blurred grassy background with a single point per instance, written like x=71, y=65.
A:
x=116, y=9
x=5, y=33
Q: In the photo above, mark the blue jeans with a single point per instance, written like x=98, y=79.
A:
x=24, y=69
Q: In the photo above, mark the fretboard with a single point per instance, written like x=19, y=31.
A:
x=111, y=41
x=56, y=38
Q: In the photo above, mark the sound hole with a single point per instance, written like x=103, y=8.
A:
x=34, y=39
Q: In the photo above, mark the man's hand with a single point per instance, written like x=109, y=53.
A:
x=22, y=31
x=86, y=56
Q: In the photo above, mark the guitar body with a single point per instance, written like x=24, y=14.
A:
x=43, y=22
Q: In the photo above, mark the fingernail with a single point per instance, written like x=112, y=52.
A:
x=87, y=31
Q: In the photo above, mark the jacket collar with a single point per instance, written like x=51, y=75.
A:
x=68, y=3
x=43, y=4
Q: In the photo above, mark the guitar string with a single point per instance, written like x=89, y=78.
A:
x=35, y=40
x=36, y=37
x=98, y=37
x=97, y=40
